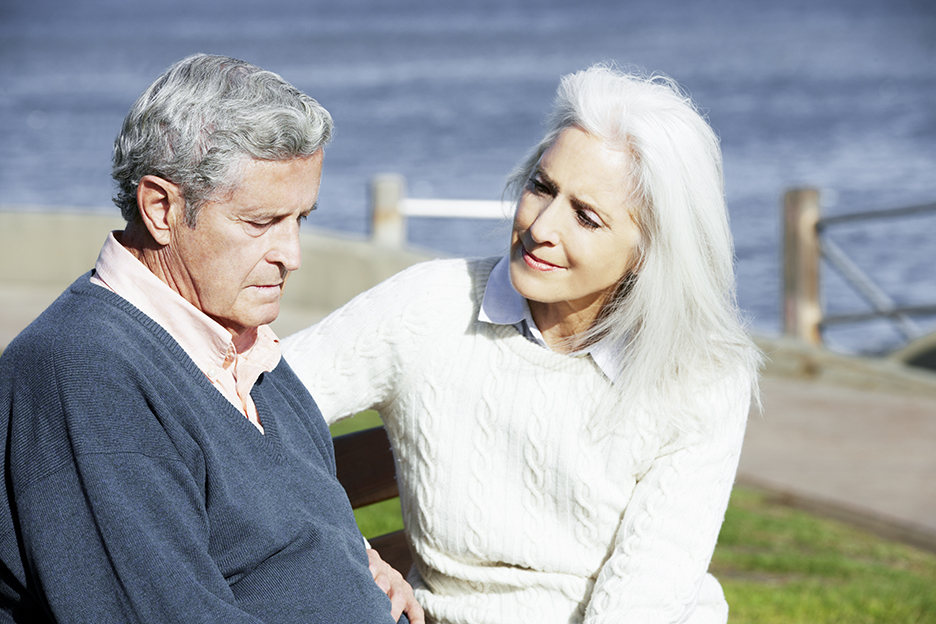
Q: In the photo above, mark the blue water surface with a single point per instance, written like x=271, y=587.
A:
x=839, y=94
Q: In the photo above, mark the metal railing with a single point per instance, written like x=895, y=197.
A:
x=805, y=243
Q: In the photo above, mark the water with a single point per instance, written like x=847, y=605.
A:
x=839, y=94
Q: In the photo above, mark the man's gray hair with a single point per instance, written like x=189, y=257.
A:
x=205, y=116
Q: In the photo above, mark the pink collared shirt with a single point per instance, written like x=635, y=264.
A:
x=204, y=340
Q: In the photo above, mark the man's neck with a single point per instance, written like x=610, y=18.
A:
x=137, y=240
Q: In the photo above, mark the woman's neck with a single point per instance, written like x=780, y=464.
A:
x=560, y=323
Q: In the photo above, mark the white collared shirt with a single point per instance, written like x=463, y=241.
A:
x=503, y=305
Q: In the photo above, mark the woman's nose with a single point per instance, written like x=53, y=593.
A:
x=545, y=226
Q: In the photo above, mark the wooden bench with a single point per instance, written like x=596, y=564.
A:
x=365, y=468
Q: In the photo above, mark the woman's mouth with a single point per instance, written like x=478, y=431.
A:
x=535, y=263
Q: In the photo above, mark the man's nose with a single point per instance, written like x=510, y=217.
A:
x=286, y=250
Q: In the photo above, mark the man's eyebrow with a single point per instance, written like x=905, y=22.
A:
x=263, y=212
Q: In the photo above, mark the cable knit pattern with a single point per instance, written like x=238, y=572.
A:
x=519, y=508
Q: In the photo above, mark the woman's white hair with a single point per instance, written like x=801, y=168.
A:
x=674, y=314
x=202, y=119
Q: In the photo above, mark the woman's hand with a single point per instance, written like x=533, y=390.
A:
x=397, y=589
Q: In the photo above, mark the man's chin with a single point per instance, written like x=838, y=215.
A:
x=248, y=323
x=268, y=315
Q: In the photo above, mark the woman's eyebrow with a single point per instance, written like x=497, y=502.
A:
x=577, y=203
x=545, y=179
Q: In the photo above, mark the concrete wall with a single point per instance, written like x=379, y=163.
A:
x=54, y=248
x=50, y=248
x=43, y=250
x=797, y=360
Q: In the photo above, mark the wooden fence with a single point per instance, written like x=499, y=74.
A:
x=804, y=246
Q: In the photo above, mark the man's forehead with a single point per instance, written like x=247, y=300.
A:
x=273, y=188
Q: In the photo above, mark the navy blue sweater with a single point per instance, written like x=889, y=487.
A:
x=133, y=491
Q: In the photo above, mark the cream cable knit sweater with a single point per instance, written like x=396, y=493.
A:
x=516, y=509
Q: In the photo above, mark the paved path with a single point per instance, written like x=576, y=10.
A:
x=867, y=457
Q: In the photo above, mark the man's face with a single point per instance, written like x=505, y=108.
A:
x=233, y=264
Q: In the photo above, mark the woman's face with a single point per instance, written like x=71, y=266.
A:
x=573, y=236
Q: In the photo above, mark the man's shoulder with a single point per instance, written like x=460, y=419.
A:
x=86, y=365
x=85, y=319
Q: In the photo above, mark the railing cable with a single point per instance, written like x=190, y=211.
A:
x=879, y=300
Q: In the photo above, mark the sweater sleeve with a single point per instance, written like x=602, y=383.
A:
x=657, y=570
x=110, y=515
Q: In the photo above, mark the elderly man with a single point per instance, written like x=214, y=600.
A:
x=160, y=462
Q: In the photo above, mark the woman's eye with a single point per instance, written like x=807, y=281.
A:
x=537, y=187
x=586, y=220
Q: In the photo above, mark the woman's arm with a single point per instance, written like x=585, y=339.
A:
x=356, y=358
x=657, y=569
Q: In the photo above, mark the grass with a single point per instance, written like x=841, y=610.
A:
x=780, y=565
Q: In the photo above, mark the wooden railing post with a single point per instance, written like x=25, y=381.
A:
x=802, y=310
x=387, y=193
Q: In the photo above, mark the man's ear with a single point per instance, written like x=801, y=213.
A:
x=161, y=207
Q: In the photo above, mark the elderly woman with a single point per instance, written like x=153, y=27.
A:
x=567, y=419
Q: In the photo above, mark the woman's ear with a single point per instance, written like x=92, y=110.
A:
x=161, y=207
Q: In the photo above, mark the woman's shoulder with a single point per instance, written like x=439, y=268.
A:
x=456, y=271
x=724, y=402
x=422, y=300
x=443, y=281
